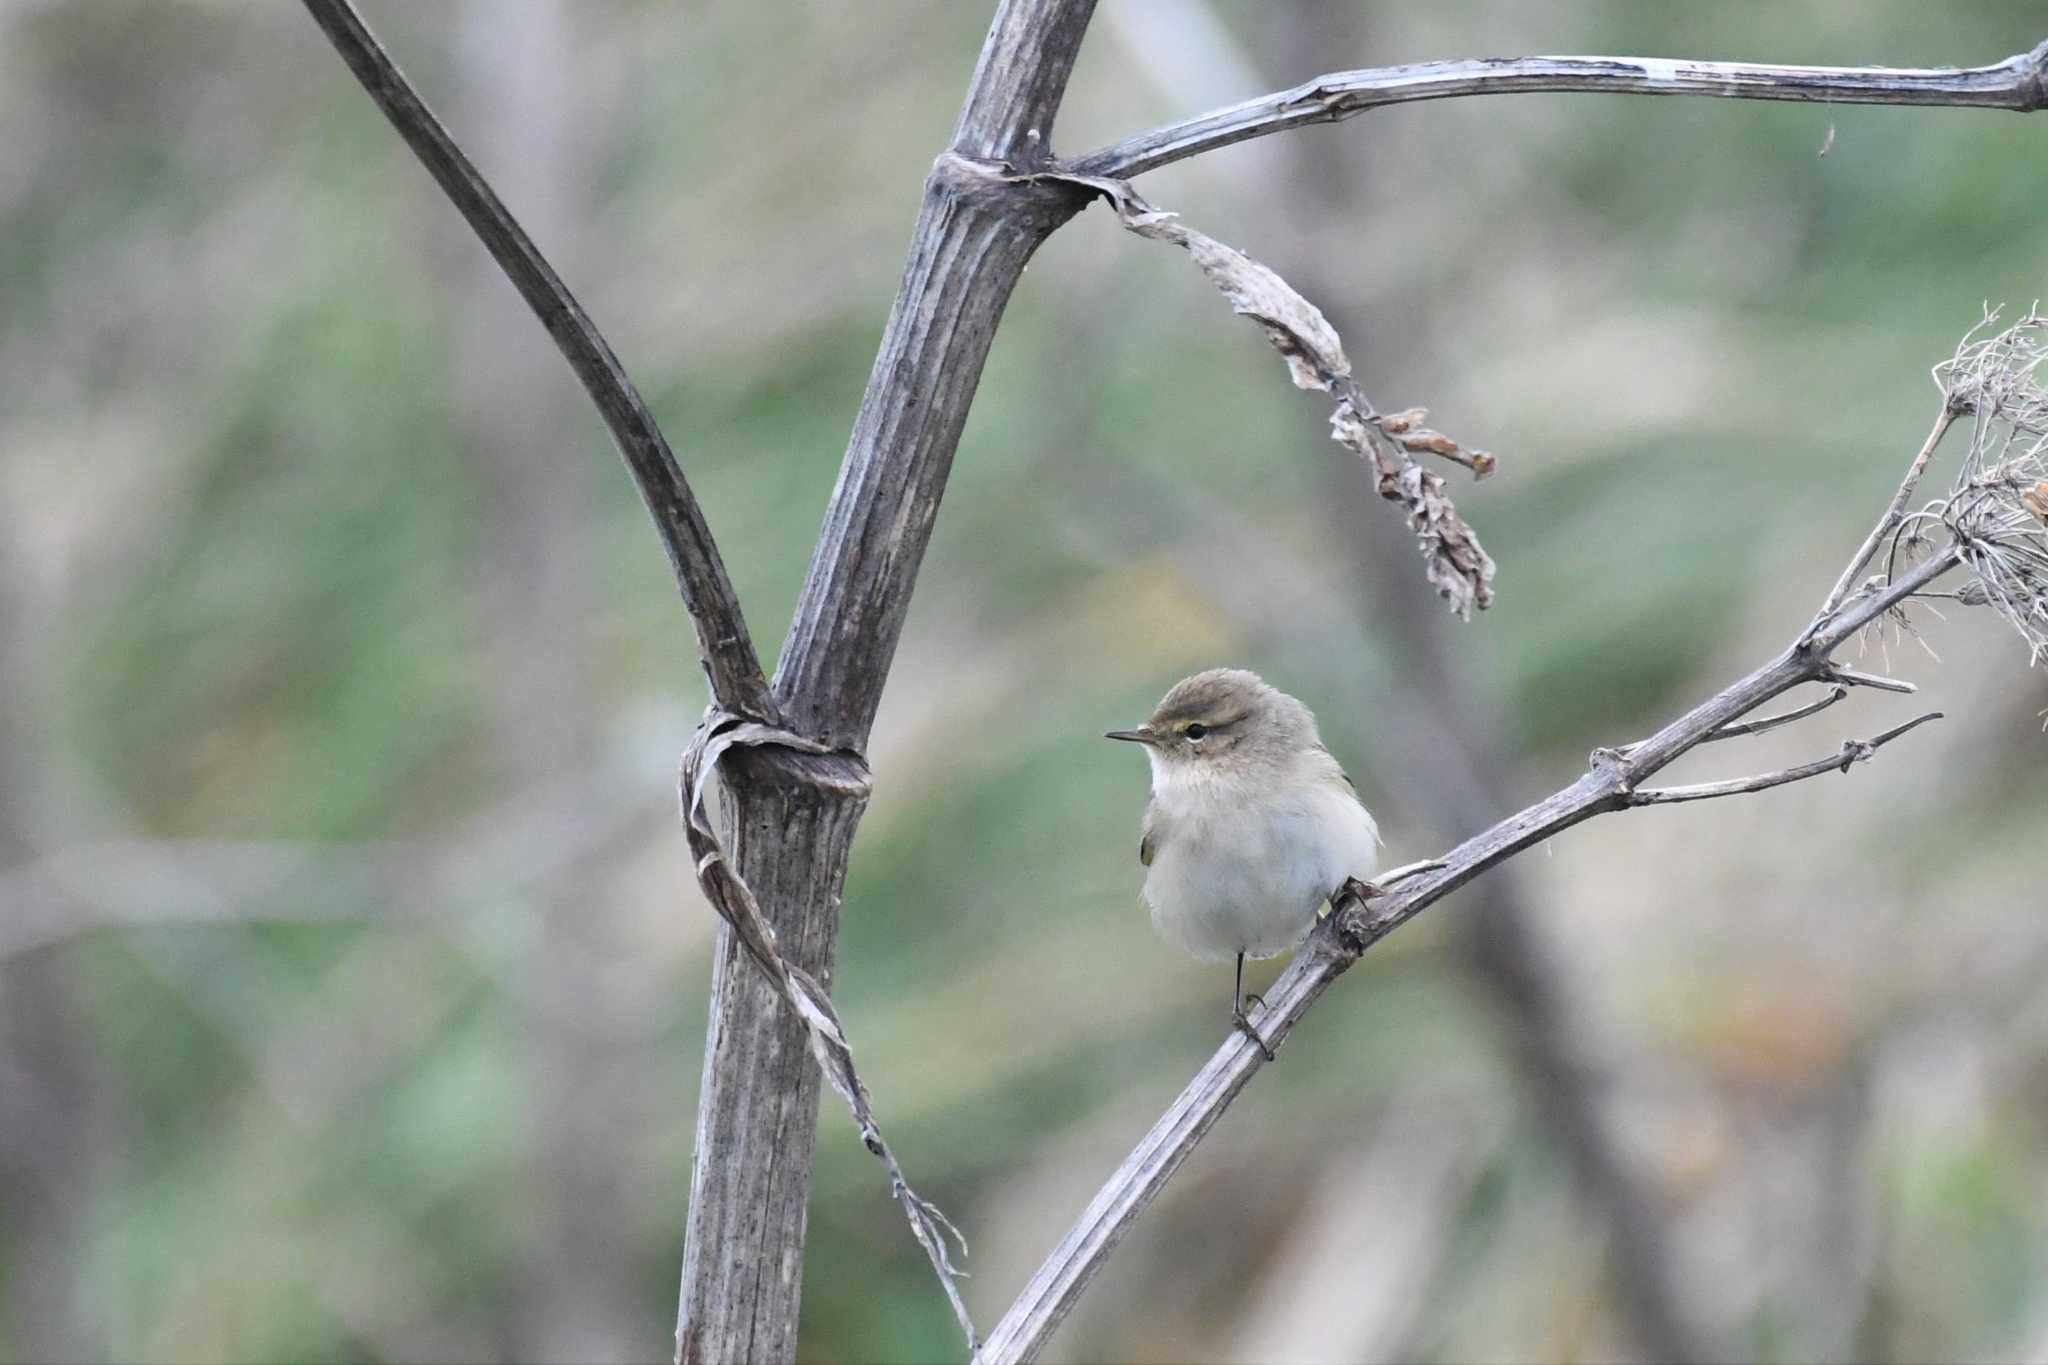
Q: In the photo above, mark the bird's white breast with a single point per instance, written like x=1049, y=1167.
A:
x=1240, y=872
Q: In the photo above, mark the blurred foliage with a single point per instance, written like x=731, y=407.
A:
x=351, y=982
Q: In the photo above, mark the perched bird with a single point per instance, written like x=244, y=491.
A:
x=1252, y=824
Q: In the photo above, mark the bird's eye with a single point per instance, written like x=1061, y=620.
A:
x=1196, y=731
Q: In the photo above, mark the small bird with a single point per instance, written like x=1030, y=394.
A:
x=1252, y=824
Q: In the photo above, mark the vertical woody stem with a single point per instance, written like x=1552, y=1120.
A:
x=757, y=1118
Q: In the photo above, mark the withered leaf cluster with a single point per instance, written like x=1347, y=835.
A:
x=1456, y=563
x=1997, y=506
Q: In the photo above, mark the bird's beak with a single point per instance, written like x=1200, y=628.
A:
x=1139, y=736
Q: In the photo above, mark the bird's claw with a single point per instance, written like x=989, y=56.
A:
x=1383, y=884
x=1362, y=891
x=1244, y=1026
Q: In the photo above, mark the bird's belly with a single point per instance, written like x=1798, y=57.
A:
x=1230, y=883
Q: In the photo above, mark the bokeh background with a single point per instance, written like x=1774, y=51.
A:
x=352, y=982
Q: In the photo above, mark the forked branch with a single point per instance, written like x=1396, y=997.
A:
x=1854, y=751
x=2019, y=82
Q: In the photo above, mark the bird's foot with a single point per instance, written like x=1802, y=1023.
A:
x=1358, y=889
x=1244, y=1026
x=1384, y=884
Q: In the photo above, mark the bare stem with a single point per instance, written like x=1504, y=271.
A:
x=1828, y=631
x=1766, y=723
x=791, y=839
x=2016, y=83
x=1894, y=514
x=1877, y=682
x=1853, y=751
x=728, y=651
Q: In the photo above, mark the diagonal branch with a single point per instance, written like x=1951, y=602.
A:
x=1359, y=919
x=1853, y=751
x=2019, y=82
x=728, y=652
x=1895, y=514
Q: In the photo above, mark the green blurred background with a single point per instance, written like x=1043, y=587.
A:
x=352, y=981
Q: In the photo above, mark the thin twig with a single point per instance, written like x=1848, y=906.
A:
x=735, y=670
x=1387, y=881
x=1877, y=682
x=1766, y=723
x=2019, y=82
x=1896, y=513
x=1853, y=751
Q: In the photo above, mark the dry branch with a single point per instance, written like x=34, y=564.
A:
x=971, y=243
x=2018, y=83
x=1612, y=782
x=757, y=1113
x=790, y=838
x=1454, y=560
x=1854, y=751
x=728, y=651
x=1766, y=723
x=1876, y=682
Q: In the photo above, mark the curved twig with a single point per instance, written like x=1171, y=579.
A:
x=737, y=681
x=1764, y=723
x=2019, y=82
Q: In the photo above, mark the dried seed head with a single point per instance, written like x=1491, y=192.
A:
x=1994, y=375
x=1997, y=507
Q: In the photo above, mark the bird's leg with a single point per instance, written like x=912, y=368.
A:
x=1237, y=1014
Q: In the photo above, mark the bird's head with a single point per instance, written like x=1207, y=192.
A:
x=1225, y=720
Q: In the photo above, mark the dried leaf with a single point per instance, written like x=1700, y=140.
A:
x=1455, y=562
x=1428, y=442
x=1295, y=327
x=2036, y=500
x=733, y=899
